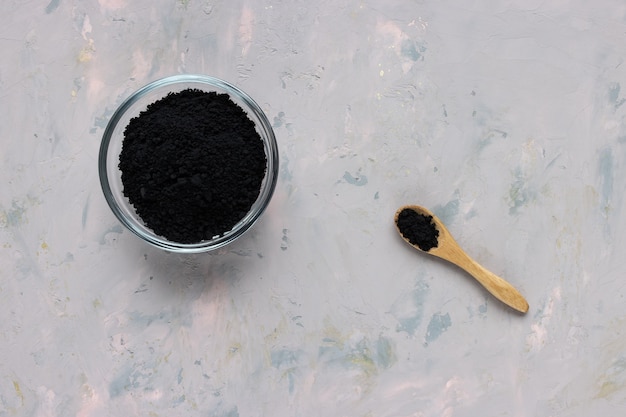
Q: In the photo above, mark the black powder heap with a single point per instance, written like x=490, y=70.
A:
x=192, y=165
x=418, y=228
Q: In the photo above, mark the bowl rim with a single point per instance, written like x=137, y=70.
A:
x=267, y=136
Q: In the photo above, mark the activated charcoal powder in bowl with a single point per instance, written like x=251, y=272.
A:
x=192, y=165
x=188, y=163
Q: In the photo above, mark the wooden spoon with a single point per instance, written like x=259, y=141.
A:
x=448, y=249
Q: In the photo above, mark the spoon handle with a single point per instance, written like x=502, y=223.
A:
x=497, y=286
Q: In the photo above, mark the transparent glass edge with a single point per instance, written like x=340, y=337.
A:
x=273, y=164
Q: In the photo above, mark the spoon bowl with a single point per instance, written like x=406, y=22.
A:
x=448, y=249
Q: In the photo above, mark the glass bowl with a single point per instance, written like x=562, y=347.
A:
x=111, y=146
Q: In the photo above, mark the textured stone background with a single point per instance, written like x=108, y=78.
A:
x=504, y=117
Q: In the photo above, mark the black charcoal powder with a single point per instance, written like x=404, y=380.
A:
x=192, y=165
x=419, y=229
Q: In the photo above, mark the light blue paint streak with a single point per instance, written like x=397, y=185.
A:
x=279, y=120
x=85, y=211
x=102, y=121
x=287, y=360
x=52, y=6
x=117, y=229
x=222, y=410
x=359, y=181
x=519, y=193
x=14, y=217
x=142, y=320
x=121, y=383
x=409, y=309
x=614, y=93
x=385, y=353
x=617, y=371
x=605, y=168
x=285, y=170
x=482, y=309
x=284, y=358
x=448, y=213
x=234, y=412
x=412, y=50
x=439, y=323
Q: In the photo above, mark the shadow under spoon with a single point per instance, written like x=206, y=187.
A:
x=445, y=247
